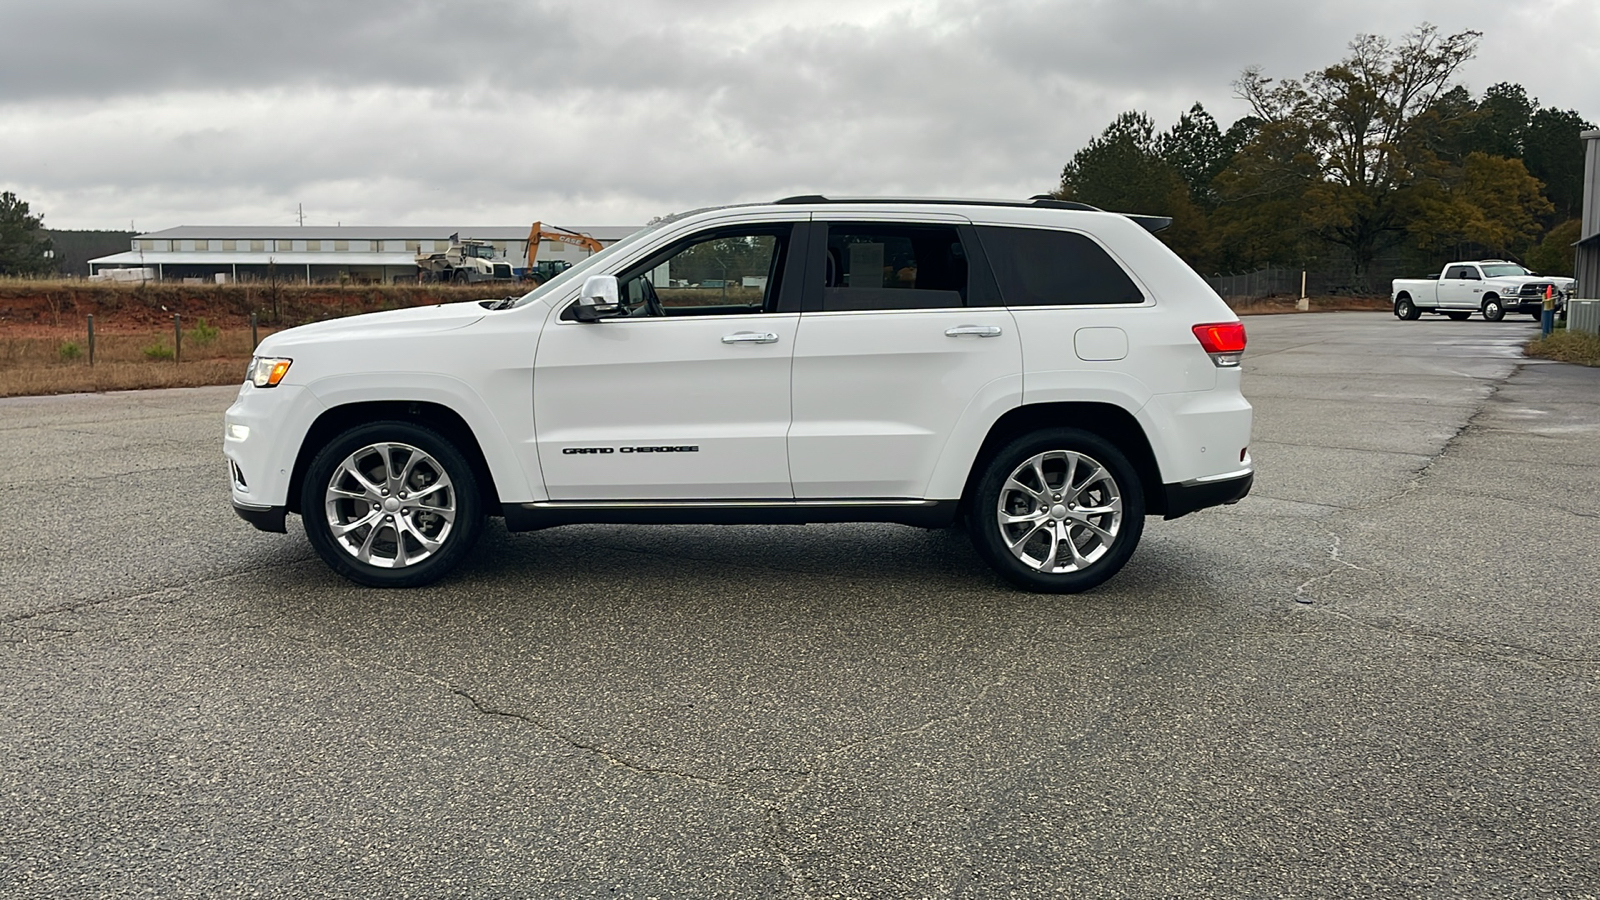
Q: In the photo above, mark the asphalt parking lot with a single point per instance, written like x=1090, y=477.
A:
x=1376, y=676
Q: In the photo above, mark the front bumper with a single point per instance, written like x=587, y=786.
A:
x=266, y=518
x=1188, y=496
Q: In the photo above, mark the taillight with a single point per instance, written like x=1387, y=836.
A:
x=1223, y=341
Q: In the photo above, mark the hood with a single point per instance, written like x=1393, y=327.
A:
x=1530, y=279
x=415, y=320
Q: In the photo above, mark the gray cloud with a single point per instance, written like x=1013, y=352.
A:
x=613, y=111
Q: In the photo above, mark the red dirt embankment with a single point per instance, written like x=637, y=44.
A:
x=29, y=307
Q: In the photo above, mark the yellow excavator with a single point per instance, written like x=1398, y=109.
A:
x=540, y=272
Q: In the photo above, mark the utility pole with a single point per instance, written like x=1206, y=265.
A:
x=300, y=209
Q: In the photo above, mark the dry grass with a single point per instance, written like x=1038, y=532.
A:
x=1273, y=305
x=38, y=364
x=1577, y=347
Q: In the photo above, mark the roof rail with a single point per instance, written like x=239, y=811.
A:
x=1037, y=201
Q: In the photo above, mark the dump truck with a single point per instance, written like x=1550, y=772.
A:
x=466, y=261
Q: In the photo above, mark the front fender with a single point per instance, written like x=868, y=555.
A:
x=452, y=393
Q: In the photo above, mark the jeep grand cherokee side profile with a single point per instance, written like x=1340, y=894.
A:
x=1045, y=372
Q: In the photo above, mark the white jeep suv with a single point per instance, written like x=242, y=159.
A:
x=1043, y=371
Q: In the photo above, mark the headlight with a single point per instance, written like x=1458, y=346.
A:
x=266, y=371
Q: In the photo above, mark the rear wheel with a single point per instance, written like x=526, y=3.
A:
x=1405, y=309
x=1492, y=310
x=391, y=504
x=1057, y=511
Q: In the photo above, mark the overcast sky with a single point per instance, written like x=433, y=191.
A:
x=187, y=112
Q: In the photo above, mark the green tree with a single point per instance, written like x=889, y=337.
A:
x=22, y=248
x=1490, y=201
x=1365, y=121
x=1198, y=151
x=1122, y=170
x=1499, y=124
x=1553, y=152
x=1261, y=198
x=1554, y=255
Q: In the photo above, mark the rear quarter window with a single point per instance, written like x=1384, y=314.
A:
x=1035, y=267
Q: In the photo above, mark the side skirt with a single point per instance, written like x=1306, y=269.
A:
x=548, y=514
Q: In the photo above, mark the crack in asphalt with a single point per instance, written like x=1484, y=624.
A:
x=1344, y=449
x=156, y=416
x=91, y=602
x=1484, y=648
x=1334, y=555
x=1417, y=480
x=772, y=808
x=1519, y=501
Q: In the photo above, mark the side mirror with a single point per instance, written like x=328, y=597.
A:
x=598, y=299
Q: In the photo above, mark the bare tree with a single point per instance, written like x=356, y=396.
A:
x=1363, y=119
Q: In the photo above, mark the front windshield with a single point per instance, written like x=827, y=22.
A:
x=1500, y=270
x=556, y=285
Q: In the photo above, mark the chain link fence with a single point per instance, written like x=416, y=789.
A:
x=1278, y=282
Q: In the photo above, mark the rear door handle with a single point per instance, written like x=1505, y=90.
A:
x=750, y=337
x=979, y=330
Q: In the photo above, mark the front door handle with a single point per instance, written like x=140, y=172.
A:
x=750, y=337
x=979, y=330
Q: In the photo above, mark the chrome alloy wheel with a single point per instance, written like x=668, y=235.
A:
x=1059, y=511
x=390, y=505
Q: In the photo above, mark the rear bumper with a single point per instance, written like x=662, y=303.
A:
x=1189, y=496
x=266, y=518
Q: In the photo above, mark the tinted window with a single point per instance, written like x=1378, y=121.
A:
x=879, y=266
x=1054, y=268
x=1464, y=273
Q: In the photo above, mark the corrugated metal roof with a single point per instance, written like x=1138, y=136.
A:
x=373, y=232
x=225, y=258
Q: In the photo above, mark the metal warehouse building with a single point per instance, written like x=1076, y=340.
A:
x=321, y=254
x=1588, y=252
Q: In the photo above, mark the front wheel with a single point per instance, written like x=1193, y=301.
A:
x=1057, y=511
x=391, y=504
x=1538, y=316
x=1492, y=310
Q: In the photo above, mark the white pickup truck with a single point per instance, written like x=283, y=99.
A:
x=1493, y=287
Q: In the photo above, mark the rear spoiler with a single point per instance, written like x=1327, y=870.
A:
x=1151, y=224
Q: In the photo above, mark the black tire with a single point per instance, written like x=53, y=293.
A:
x=1538, y=316
x=1457, y=316
x=1492, y=310
x=1112, y=478
x=1406, y=310
x=430, y=468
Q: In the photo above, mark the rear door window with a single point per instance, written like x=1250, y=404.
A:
x=886, y=266
x=1035, y=267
